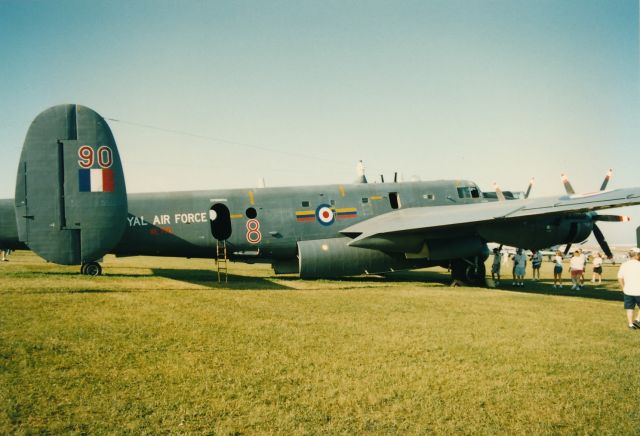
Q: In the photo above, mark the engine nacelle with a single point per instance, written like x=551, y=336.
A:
x=331, y=258
x=540, y=232
x=451, y=248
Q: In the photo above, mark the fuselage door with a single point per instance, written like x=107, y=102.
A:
x=394, y=200
x=220, y=220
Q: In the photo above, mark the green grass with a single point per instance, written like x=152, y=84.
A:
x=157, y=346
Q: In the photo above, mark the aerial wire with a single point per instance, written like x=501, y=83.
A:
x=227, y=141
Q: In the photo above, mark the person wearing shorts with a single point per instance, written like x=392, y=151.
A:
x=576, y=265
x=629, y=280
x=495, y=266
x=597, y=268
x=536, y=263
x=557, y=270
x=520, y=266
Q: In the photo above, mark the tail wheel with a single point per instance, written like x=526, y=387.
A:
x=91, y=269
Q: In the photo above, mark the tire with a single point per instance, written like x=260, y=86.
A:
x=467, y=273
x=92, y=269
x=476, y=276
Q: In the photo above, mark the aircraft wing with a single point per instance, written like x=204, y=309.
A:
x=432, y=221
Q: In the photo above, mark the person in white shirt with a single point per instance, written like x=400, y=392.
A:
x=576, y=265
x=557, y=269
x=629, y=279
x=597, y=268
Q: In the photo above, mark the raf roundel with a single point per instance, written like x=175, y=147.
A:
x=325, y=215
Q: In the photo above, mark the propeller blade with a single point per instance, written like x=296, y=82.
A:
x=498, y=192
x=612, y=218
x=567, y=185
x=603, y=243
x=526, y=195
x=606, y=180
x=567, y=248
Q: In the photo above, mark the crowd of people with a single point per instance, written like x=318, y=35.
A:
x=577, y=267
x=628, y=274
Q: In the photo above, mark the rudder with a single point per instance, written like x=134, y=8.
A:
x=71, y=201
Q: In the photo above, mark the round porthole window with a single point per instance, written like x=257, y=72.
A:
x=251, y=213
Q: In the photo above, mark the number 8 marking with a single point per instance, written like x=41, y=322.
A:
x=253, y=231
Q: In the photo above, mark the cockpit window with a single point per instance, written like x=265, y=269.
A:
x=468, y=192
x=464, y=192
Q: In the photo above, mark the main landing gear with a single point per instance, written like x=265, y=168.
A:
x=469, y=271
x=91, y=269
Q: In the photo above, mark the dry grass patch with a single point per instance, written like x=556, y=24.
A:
x=156, y=345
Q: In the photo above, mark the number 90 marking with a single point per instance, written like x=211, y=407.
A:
x=86, y=156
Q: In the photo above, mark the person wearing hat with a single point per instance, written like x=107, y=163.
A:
x=629, y=279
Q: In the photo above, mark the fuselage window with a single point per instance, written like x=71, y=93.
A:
x=365, y=199
x=333, y=202
x=251, y=213
x=475, y=193
x=429, y=197
x=394, y=200
x=305, y=204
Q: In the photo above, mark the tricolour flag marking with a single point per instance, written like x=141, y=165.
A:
x=95, y=180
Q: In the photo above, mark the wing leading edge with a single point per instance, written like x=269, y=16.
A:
x=460, y=220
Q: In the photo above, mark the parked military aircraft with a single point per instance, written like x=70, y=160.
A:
x=71, y=207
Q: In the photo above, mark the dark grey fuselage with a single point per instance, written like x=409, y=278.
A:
x=179, y=224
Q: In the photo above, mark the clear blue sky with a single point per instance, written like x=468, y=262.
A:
x=486, y=90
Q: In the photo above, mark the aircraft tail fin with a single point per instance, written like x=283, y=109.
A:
x=71, y=199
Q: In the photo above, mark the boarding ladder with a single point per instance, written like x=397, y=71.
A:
x=221, y=260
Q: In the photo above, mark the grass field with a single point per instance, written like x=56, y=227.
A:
x=157, y=346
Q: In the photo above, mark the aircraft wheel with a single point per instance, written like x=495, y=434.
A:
x=91, y=269
x=476, y=275
x=469, y=272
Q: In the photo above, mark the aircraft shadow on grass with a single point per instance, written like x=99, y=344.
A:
x=587, y=291
x=96, y=291
x=429, y=277
x=70, y=291
x=209, y=278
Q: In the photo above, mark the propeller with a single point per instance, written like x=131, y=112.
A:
x=567, y=184
x=611, y=218
x=567, y=248
x=526, y=195
x=595, y=217
x=606, y=180
x=601, y=241
x=499, y=193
